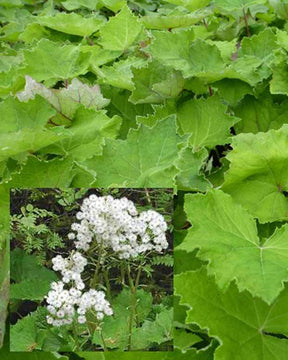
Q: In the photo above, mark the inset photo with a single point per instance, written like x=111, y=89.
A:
x=91, y=270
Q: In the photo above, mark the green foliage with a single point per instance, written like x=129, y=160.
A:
x=32, y=233
x=31, y=281
x=187, y=94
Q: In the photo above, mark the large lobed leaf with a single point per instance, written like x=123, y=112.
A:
x=226, y=236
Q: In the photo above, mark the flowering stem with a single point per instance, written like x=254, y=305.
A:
x=76, y=340
x=103, y=341
x=122, y=269
x=133, y=313
x=95, y=279
x=107, y=283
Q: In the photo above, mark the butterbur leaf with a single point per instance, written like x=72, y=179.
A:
x=35, y=173
x=29, y=290
x=115, y=329
x=25, y=267
x=72, y=23
x=114, y=5
x=246, y=327
x=85, y=137
x=279, y=82
x=120, y=74
x=23, y=127
x=160, y=112
x=184, y=340
x=258, y=173
x=16, y=116
x=155, y=83
x=154, y=332
x=161, y=22
x=207, y=121
x=260, y=114
x=65, y=100
x=146, y=158
x=23, y=334
x=189, y=165
x=120, y=31
x=119, y=105
x=230, y=5
x=261, y=45
x=47, y=60
x=191, y=5
x=226, y=236
x=233, y=90
x=71, y=5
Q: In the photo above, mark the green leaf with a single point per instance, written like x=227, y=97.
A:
x=36, y=173
x=115, y=330
x=189, y=165
x=85, y=137
x=184, y=340
x=261, y=45
x=120, y=74
x=71, y=5
x=160, y=22
x=192, y=58
x=47, y=60
x=25, y=267
x=233, y=90
x=113, y=39
x=230, y=5
x=191, y=5
x=29, y=290
x=23, y=334
x=260, y=114
x=114, y=5
x=246, y=327
x=146, y=158
x=151, y=332
x=160, y=112
x=23, y=128
x=72, y=23
x=258, y=173
x=15, y=115
x=207, y=121
x=155, y=83
x=279, y=82
x=226, y=235
x=119, y=105
x=65, y=100
x=6, y=354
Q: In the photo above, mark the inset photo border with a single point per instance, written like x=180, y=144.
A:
x=91, y=269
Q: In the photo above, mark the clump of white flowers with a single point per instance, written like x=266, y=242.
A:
x=116, y=224
x=66, y=300
x=111, y=224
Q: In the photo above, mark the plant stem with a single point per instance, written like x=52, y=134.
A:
x=75, y=335
x=95, y=278
x=133, y=313
x=122, y=270
x=107, y=283
x=246, y=22
x=103, y=341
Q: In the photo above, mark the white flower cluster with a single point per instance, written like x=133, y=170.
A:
x=71, y=268
x=116, y=224
x=66, y=300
